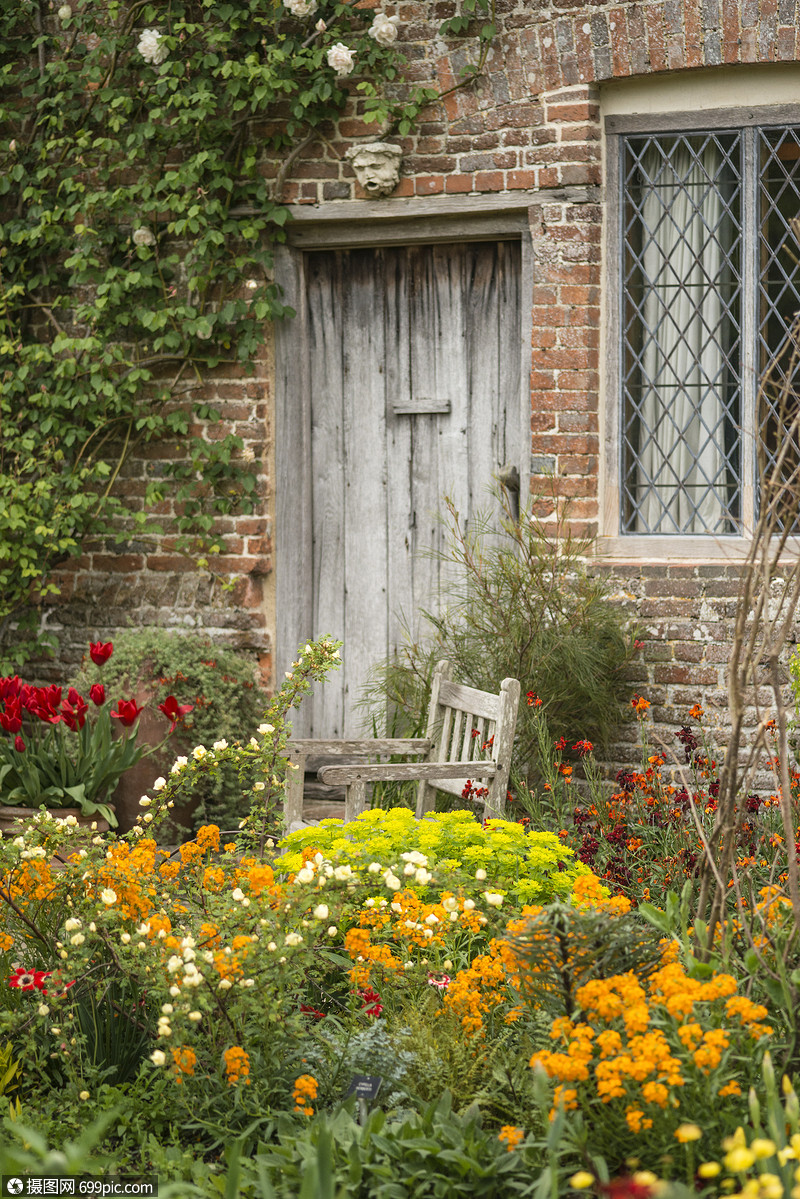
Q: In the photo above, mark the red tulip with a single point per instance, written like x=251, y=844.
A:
x=128, y=711
x=174, y=711
x=73, y=710
x=100, y=653
x=9, y=688
x=19, y=745
x=11, y=719
x=97, y=694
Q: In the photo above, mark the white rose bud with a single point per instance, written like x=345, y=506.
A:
x=64, y=13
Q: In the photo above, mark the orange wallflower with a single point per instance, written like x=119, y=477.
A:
x=237, y=1066
x=304, y=1092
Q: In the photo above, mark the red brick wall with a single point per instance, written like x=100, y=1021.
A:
x=148, y=582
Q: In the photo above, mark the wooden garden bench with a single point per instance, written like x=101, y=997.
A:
x=470, y=735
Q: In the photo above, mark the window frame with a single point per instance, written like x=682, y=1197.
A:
x=612, y=541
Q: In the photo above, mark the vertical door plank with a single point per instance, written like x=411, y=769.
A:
x=453, y=352
x=400, y=524
x=326, y=342
x=509, y=358
x=367, y=601
x=293, y=471
x=487, y=418
x=424, y=322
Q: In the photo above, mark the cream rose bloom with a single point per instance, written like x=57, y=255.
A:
x=150, y=47
x=384, y=29
x=341, y=59
x=301, y=8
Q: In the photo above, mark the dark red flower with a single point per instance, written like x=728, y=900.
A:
x=97, y=694
x=43, y=702
x=73, y=710
x=308, y=1010
x=174, y=711
x=11, y=719
x=100, y=653
x=19, y=745
x=58, y=991
x=28, y=980
x=128, y=711
x=372, y=1002
x=10, y=687
x=625, y=1188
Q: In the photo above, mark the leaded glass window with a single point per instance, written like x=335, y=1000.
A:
x=708, y=218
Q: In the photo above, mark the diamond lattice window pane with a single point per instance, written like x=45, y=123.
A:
x=778, y=244
x=682, y=236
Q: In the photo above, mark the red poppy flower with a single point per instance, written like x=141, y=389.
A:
x=97, y=694
x=128, y=711
x=174, y=711
x=19, y=745
x=100, y=653
x=28, y=980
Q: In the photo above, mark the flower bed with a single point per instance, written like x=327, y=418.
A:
x=517, y=1027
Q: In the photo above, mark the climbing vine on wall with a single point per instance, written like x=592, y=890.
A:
x=139, y=213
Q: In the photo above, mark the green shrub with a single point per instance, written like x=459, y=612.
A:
x=431, y=1153
x=521, y=604
x=533, y=866
x=220, y=683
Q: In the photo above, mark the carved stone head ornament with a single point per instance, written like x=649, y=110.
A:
x=377, y=166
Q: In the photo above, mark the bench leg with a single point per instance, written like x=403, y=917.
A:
x=355, y=800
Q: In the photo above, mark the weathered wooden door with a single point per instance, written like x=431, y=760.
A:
x=411, y=382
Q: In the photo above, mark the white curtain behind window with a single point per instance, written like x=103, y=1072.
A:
x=681, y=478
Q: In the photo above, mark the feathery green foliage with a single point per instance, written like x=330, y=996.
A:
x=522, y=604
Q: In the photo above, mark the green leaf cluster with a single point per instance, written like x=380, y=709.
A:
x=138, y=218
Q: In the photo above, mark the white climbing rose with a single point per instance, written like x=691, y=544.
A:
x=144, y=237
x=301, y=8
x=150, y=47
x=341, y=59
x=384, y=29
